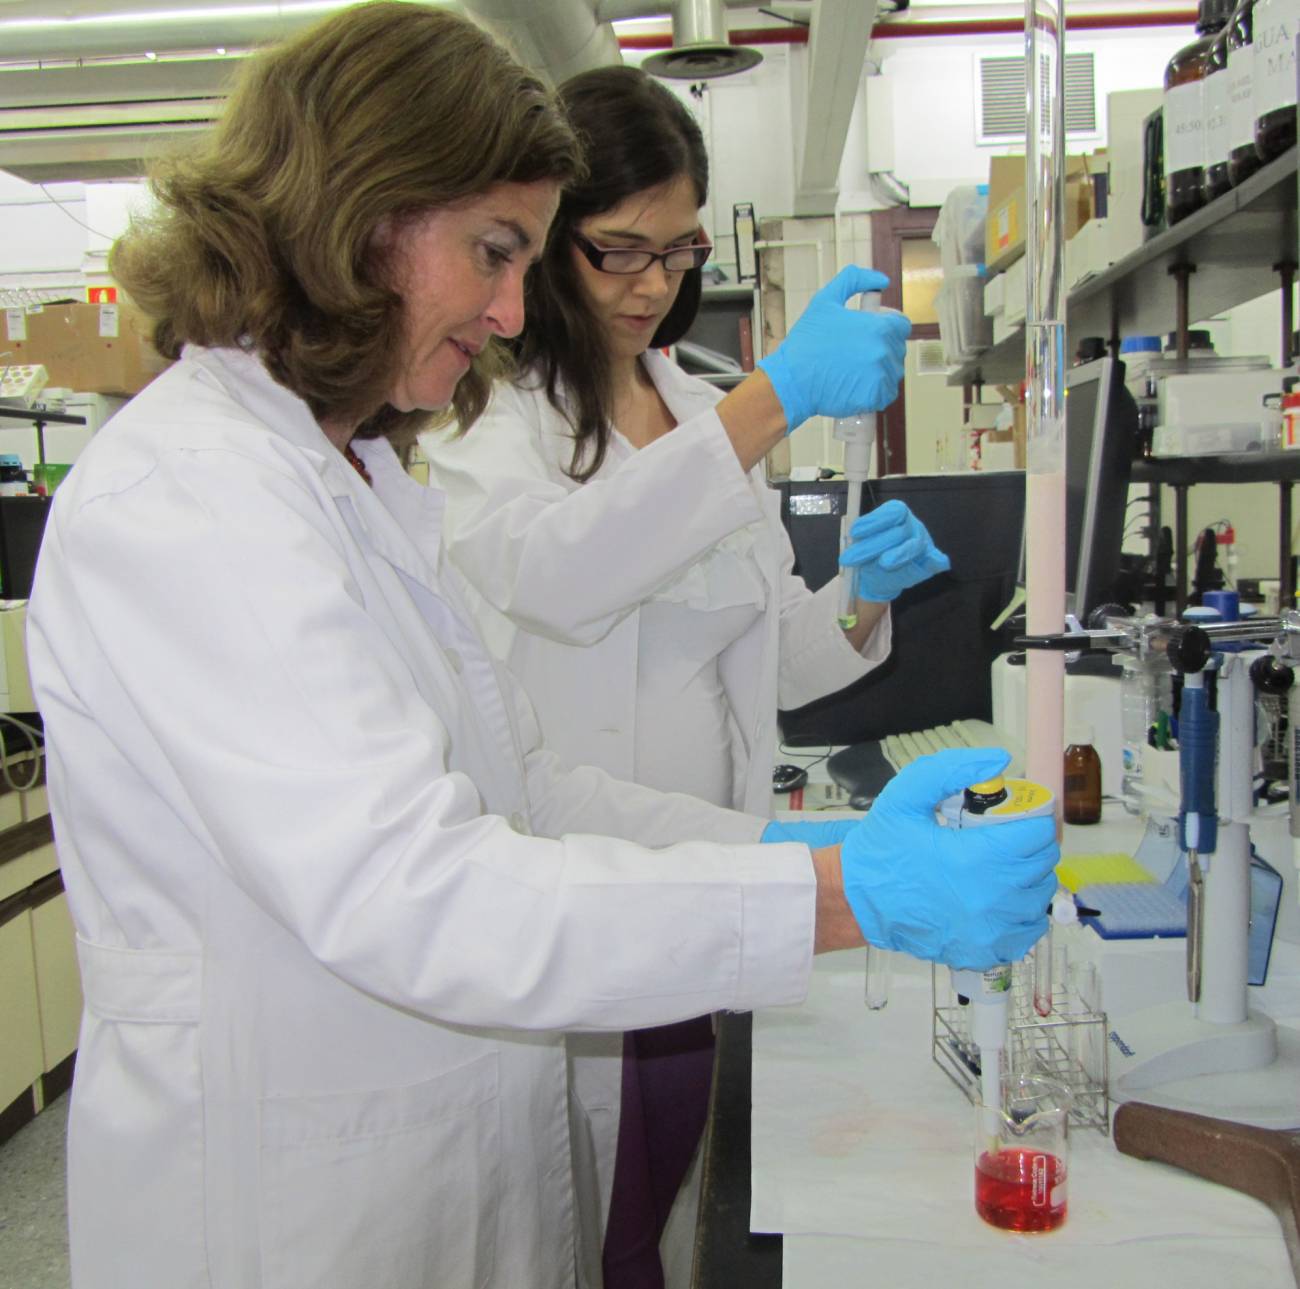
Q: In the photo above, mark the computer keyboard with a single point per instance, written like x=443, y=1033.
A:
x=903, y=749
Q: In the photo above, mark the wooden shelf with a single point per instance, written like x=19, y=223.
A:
x=1233, y=243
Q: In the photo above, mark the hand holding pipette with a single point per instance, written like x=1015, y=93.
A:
x=973, y=897
x=839, y=361
x=890, y=549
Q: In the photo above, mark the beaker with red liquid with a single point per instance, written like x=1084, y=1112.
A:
x=1022, y=1156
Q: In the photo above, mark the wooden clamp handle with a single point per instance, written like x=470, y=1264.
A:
x=1263, y=1162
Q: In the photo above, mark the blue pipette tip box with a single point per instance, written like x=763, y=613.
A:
x=1133, y=910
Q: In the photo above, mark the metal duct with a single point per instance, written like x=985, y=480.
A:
x=559, y=38
x=90, y=29
x=700, y=49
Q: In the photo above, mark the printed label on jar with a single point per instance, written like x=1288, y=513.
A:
x=1185, y=127
x=1275, y=32
x=1241, y=102
x=1216, y=119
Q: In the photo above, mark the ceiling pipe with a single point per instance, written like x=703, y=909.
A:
x=28, y=32
x=894, y=30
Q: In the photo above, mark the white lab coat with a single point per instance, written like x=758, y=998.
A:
x=559, y=571
x=327, y=950
x=558, y=587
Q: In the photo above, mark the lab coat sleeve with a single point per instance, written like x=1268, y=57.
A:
x=816, y=657
x=565, y=561
x=300, y=753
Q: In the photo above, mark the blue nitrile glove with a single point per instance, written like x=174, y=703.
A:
x=813, y=833
x=968, y=897
x=892, y=550
x=838, y=361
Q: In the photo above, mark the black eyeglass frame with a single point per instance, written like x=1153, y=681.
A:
x=596, y=255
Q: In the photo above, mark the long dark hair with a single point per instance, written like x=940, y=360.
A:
x=636, y=135
x=263, y=234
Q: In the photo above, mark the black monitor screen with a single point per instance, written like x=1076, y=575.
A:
x=1081, y=417
x=22, y=525
x=938, y=669
x=1100, y=433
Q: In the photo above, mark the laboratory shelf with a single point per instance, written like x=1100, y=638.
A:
x=1236, y=467
x=1234, y=245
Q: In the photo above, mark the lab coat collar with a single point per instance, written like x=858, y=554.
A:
x=401, y=519
x=685, y=396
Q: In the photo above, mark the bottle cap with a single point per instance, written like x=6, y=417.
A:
x=1213, y=14
x=1195, y=340
x=1225, y=602
x=1140, y=345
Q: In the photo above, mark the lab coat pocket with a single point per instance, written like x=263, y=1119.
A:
x=398, y=1187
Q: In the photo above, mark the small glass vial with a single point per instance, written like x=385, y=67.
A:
x=1275, y=24
x=1184, y=111
x=1081, y=800
x=1243, y=160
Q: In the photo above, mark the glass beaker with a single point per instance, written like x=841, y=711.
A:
x=1022, y=1155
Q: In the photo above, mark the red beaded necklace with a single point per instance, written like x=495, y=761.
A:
x=358, y=465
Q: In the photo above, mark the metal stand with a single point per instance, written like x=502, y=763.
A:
x=1068, y=1046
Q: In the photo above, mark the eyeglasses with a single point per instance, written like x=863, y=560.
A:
x=621, y=260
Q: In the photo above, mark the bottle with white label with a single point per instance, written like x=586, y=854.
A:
x=1276, y=24
x=1184, y=114
x=1217, y=181
x=1243, y=160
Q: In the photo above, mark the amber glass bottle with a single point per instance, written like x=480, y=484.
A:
x=1243, y=160
x=1081, y=802
x=1184, y=112
x=1217, y=181
x=1275, y=98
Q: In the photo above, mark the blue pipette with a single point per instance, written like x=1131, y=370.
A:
x=1198, y=818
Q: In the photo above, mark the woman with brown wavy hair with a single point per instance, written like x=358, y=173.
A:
x=335, y=904
x=630, y=563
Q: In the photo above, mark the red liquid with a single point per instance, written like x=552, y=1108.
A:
x=1020, y=1190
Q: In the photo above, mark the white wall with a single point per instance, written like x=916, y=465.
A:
x=932, y=88
x=54, y=237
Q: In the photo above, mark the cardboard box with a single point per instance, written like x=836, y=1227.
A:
x=1003, y=448
x=1126, y=114
x=1004, y=235
x=90, y=348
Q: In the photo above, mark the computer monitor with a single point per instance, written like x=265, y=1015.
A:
x=944, y=645
x=1101, y=427
x=22, y=525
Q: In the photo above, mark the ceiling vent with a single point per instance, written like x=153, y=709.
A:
x=700, y=48
x=1002, y=98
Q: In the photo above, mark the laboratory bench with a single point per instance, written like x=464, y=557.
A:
x=40, y=984
x=832, y=1127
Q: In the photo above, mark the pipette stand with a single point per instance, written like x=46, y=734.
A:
x=1215, y=1055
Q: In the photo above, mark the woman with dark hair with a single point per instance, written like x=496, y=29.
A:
x=629, y=563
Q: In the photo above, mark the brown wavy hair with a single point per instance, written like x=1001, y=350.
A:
x=264, y=233
x=636, y=135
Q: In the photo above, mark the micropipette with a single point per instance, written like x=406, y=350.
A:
x=858, y=434
x=1198, y=818
x=979, y=806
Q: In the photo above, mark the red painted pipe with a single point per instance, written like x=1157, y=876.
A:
x=797, y=35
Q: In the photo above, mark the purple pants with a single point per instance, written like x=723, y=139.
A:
x=667, y=1072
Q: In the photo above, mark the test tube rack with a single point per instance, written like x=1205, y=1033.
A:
x=1068, y=1046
